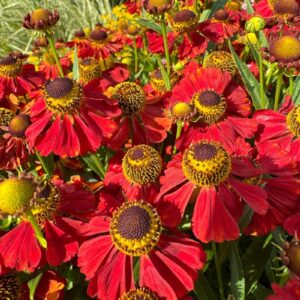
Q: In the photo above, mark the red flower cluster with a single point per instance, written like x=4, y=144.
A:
x=128, y=152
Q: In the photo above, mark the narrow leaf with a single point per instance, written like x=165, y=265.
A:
x=75, y=70
x=249, y=79
x=237, y=274
x=250, y=9
x=254, y=261
x=164, y=75
x=32, y=284
x=94, y=163
x=150, y=24
x=296, y=93
x=203, y=290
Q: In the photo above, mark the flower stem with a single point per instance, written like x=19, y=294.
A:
x=38, y=233
x=291, y=89
x=178, y=133
x=53, y=49
x=278, y=89
x=135, y=56
x=262, y=82
x=219, y=271
x=165, y=38
x=43, y=163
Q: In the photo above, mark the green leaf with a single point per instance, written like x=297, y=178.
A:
x=249, y=80
x=150, y=24
x=246, y=217
x=208, y=12
x=237, y=273
x=254, y=261
x=32, y=284
x=94, y=163
x=75, y=70
x=296, y=93
x=164, y=74
x=5, y=223
x=203, y=290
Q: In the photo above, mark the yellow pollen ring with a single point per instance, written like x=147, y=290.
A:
x=68, y=104
x=130, y=96
x=141, y=293
x=45, y=207
x=141, y=164
x=89, y=69
x=293, y=121
x=221, y=60
x=135, y=228
x=209, y=113
x=11, y=70
x=206, y=164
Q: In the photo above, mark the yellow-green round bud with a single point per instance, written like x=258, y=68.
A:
x=15, y=195
x=255, y=24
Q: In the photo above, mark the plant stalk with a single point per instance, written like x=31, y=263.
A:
x=38, y=233
x=219, y=271
x=56, y=57
x=278, y=90
x=165, y=39
x=135, y=56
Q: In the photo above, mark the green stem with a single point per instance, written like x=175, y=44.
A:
x=165, y=38
x=261, y=82
x=38, y=233
x=278, y=89
x=291, y=90
x=53, y=49
x=178, y=133
x=269, y=76
x=219, y=271
x=135, y=56
x=44, y=165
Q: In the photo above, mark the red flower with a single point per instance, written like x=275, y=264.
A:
x=280, y=127
x=50, y=69
x=18, y=78
x=124, y=230
x=193, y=45
x=205, y=173
x=133, y=6
x=50, y=286
x=70, y=120
x=142, y=119
x=276, y=171
x=136, y=172
x=156, y=43
x=100, y=44
x=20, y=249
x=14, y=150
x=292, y=223
x=223, y=25
x=222, y=107
x=291, y=291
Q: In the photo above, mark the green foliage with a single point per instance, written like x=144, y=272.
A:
x=74, y=14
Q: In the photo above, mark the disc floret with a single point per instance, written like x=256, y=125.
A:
x=135, y=228
x=210, y=106
x=130, y=96
x=141, y=164
x=206, y=163
x=63, y=96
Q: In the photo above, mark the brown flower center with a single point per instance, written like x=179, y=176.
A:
x=98, y=35
x=63, y=95
x=287, y=7
x=210, y=106
x=18, y=125
x=135, y=228
x=130, y=96
x=141, y=164
x=184, y=21
x=40, y=14
x=206, y=163
x=10, y=66
x=9, y=287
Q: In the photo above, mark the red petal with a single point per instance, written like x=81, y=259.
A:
x=211, y=220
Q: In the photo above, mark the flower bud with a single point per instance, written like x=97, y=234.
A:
x=255, y=24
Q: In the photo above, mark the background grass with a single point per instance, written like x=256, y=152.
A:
x=74, y=14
